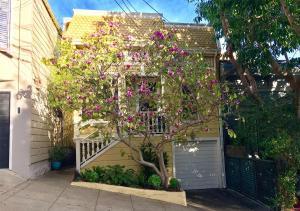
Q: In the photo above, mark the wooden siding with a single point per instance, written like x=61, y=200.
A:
x=120, y=154
x=44, y=38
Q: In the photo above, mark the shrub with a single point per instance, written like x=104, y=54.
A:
x=100, y=171
x=154, y=181
x=113, y=175
x=90, y=176
x=57, y=153
x=287, y=184
x=174, y=184
x=118, y=175
x=149, y=155
x=142, y=180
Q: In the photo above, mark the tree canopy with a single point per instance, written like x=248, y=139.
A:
x=261, y=36
x=112, y=72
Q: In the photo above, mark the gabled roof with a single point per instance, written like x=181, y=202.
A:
x=84, y=22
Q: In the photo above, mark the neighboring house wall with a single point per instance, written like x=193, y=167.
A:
x=44, y=40
x=32, y=36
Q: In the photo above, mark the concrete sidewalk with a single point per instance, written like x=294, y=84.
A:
x=53, y=192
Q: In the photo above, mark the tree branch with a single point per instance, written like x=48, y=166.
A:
x=290, y=17
x=247, y=79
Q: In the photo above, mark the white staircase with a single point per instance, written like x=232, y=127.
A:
x=90, y=147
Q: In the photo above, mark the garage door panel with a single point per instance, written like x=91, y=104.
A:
x=197, y=164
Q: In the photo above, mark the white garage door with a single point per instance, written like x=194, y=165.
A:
x=197, y=164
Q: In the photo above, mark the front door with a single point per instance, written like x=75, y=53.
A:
x=4, y=129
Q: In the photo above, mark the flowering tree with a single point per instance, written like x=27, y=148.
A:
x=139, y=88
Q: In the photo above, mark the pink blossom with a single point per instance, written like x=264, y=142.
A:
x=111, y=24
x=158, y=34
x=89, y=61
x=109, y=100
x=120, y=55
x=97, y=108
x=130, y=119
x=129, y=93
x=130, y=38
x=127, y=66
x=213, y=82
x=144, y=89
x=170, y=72
x=184, y=53
x=102, y=76
x=174, y=49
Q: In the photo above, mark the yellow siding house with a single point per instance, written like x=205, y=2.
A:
x=198, y=163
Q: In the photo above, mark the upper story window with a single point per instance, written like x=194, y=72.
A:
x=4, y=24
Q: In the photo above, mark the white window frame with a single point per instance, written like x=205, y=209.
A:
x=7, y=49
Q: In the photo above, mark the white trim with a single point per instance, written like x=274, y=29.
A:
x=100, y=153
x=112, y=13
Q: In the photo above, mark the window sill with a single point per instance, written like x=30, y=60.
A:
x=6, y=52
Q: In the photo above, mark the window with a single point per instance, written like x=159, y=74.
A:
x=4, y=24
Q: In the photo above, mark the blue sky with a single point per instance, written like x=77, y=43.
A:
x=173, y=10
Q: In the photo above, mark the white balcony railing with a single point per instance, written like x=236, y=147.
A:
x=155, y=123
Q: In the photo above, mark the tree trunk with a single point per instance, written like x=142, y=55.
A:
x=164, y=174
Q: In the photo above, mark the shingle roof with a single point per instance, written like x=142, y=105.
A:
x=198, y=36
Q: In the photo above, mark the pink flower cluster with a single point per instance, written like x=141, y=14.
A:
x=111, y=99
x=157, y=35
x=144, y=89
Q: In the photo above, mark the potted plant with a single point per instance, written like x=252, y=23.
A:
x=57, y=155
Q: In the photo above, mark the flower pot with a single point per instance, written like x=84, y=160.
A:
x=56, y=165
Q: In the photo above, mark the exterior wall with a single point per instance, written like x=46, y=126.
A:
x=200, y=38
x=121, y=154
x=17, y=68
x=44, y=39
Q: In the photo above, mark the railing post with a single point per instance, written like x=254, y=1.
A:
x=77, y=141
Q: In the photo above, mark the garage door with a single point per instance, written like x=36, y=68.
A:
x=4, y=129
x=197, y=164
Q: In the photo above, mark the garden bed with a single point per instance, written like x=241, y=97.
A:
x=166, y=196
